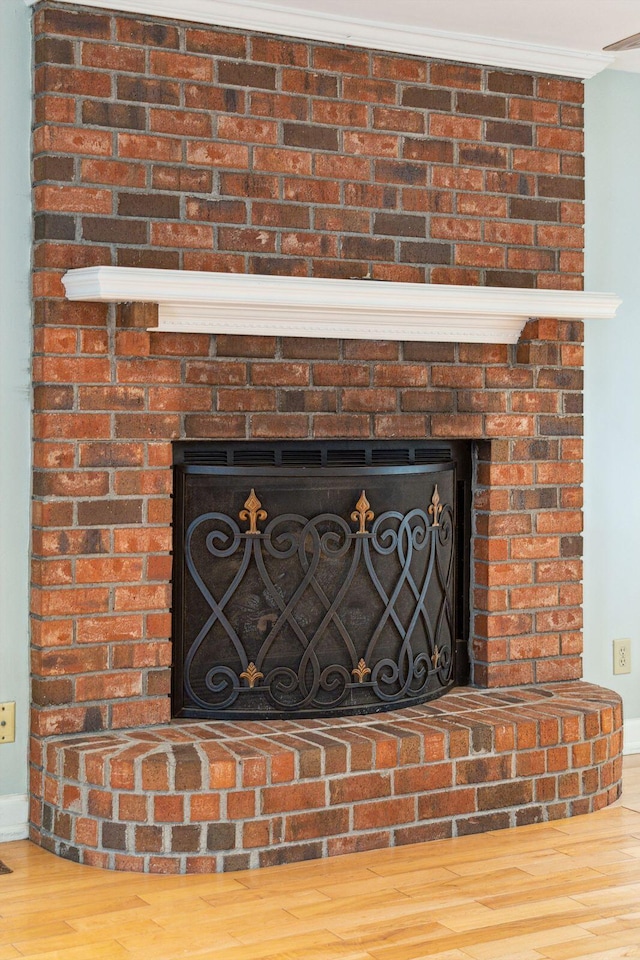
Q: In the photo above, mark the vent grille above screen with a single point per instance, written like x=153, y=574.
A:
x=432, y=454
x=212, y=457
x=309, y=457
x=346, y=458
x=254, y=458
x=312, y=454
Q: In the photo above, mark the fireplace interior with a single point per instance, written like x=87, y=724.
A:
x=319, y=579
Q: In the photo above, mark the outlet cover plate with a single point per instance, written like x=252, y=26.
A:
x=621, y=656
x=7, y=722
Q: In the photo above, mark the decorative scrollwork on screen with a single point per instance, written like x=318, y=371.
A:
x=339, y=612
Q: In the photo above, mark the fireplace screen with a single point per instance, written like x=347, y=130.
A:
x=318, y=580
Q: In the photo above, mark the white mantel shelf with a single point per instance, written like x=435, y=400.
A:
x=199, y=302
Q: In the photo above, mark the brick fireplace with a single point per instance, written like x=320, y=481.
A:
x=169, y=145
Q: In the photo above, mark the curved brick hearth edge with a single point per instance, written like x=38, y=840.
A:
x=196, y=797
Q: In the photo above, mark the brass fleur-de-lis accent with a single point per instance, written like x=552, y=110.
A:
x=361, y=671
x=362, y=513
x=252, y=513
x=435, y=508
x=435, y=657
x=251, y=675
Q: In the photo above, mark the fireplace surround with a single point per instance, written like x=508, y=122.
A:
x=118, y=785
x=168, y=147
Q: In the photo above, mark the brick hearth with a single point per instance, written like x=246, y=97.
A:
x=163, y=144
x=200, y=797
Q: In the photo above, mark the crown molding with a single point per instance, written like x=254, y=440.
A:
x=199, y=302
x=374, y=35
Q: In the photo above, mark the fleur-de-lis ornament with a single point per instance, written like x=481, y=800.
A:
x=362, y=513
x=360, y=671
x=435, y=507
x=252, y=513
x=251, y=675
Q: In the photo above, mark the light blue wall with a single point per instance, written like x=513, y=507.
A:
x=15, y=396
x=612, y=382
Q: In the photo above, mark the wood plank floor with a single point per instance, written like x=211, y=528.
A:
x=565, y=890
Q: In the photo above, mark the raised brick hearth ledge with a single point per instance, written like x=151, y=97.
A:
x=196, y=797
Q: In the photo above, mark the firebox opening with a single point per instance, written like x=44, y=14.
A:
x=319, y=578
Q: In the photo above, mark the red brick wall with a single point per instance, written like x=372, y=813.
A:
x=310, y=159
x=167, y=145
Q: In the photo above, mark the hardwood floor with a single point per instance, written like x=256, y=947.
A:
x=570, y=889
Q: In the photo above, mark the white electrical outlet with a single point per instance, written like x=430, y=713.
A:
x=621, y=656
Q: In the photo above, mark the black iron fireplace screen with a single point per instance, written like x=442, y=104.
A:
x=318, y=580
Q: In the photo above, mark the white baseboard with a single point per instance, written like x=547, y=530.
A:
x=14, y=817
x=632, y=735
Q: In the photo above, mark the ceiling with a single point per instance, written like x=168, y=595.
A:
x=585, y=25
